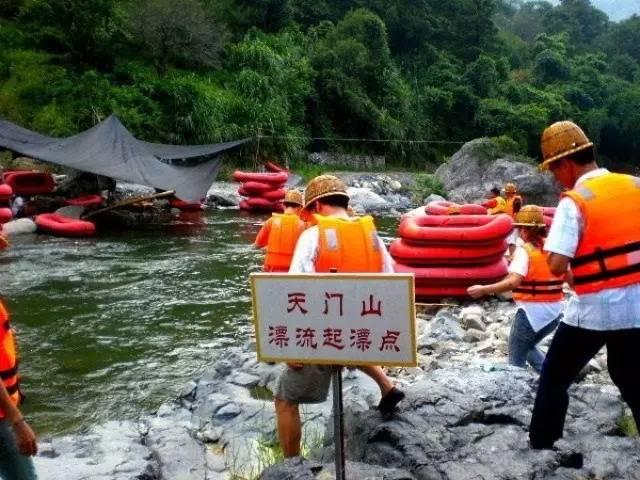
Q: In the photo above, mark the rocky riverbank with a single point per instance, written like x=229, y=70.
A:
x=466, y=416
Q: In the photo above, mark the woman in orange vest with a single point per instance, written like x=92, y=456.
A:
x=17, y=440
x=536, y=291
x=280, y=233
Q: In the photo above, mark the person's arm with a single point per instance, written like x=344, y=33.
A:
x=510, y=282
x=25, y=437
x=558, y=264
x=262, y=239
x=564, y=236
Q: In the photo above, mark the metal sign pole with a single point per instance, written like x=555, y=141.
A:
x=338, y=423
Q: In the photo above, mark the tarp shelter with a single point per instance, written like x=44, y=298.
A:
x=109, y=149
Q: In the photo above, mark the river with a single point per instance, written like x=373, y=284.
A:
x=111, y=327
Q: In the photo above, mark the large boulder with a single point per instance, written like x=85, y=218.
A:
x=478, y=166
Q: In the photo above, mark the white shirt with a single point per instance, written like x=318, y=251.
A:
x=306, y=252
x=610, y=309
x=539, y=314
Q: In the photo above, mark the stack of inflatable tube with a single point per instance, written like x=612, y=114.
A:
x=6, y=193
x=56, y=224
x=449, y=253
x=262, y=191
x=29, y=182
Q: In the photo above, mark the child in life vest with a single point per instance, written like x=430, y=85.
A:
x=537, y=292
x=280, y=233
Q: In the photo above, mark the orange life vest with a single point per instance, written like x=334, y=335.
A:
x=348, y=245
x=8, y=359
x=500, y=206
x=540, y=285
x=608, y=254
x=509, y=204
x=285, y=231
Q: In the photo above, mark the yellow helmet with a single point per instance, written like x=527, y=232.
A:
x=323, y=186
x=293, y=196
x=529, y=216
x=510, y=188
x=561, y=140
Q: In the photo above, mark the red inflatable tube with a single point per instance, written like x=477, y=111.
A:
x=26, y=182
x=455, y=276
x=56, y=224
x=409, y=254
x=86, y=200
x=261, y=205
x=271, y=178
x=424, y=293
x=185, y=206
x=272, y=195
x=274, y=167
x=5, y=193
x=257, y=188
x=449, y=208
x=6, y=215
x=459, y=230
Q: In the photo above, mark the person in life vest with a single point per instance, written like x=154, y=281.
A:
x=495, y=204
x=17, y=440
x=338, y=243
x=513, y=200
x=280, y=233
x=596, y=232
x=536, y=291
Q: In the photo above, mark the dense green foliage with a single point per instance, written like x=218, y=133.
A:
x=195, y=71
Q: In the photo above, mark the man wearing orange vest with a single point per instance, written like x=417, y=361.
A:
x=338, y=243
x=513, y=200
x=280, y=233
x=536, y=291
x=596, y=231
x=17, y=440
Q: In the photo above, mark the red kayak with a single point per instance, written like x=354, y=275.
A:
x=186, y=206
x=6, y=215
x=459, y=230
x=86, y=201
x=29, y=182
x=6, y=192
x=455, y=276
x=449, y=208
x=424, y=255
x=56, y=224
x=271, y=178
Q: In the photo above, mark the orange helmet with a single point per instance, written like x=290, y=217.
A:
x=510, y=188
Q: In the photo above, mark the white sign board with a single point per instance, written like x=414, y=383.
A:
x=335, y=319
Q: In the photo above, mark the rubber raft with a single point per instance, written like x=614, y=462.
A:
x=448, y=251
x=56, y=224
x=263, y=191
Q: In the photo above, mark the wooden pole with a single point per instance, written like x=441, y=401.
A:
x=130, y=201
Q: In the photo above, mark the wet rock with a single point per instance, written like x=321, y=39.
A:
x=301, y=469
x=445, y=326
x=366, y=199
x=472, y=317
x=223, y=194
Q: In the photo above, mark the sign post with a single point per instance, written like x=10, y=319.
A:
x=335, y=319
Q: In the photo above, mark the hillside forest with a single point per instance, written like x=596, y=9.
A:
x=420, y=73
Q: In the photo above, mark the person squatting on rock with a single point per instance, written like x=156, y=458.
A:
x=280, y=233
x=596, y=231
x=17, y=440
x=342, y=244
x=536, y=291
x=495, y=203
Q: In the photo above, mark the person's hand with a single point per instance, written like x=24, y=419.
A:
x=476, y=291
x=25, y=438
x=295, y=366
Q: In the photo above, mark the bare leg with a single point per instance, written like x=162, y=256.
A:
x=289, y=427
x=378, y=375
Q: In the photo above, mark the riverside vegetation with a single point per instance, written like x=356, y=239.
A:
x=197, y=71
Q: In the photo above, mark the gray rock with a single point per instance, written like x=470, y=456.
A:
x=366, y=199
x=21, y=226
x=433, y=198
x=445, y=326
x=472, y=317
x=469, y=175
x=301, y=469
x=223, y=194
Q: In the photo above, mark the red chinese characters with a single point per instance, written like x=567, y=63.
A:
x=372, y=308
x=297, y=300
x=389, y=341
x=333, y=338
x=279, y=336
x=306, y=338
x=360, y=338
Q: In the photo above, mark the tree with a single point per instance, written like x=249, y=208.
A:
x=176, y=32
